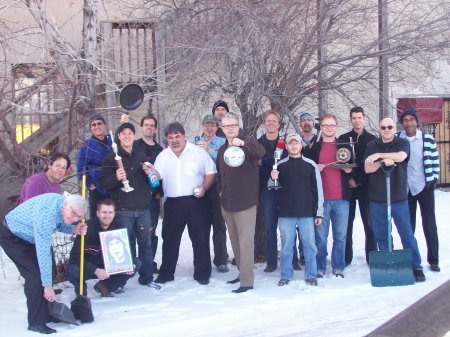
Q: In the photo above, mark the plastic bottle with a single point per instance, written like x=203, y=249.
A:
x=153, y=180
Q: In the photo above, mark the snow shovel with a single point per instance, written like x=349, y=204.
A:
x=61, y=312
x=391, y=267
x=81, y=306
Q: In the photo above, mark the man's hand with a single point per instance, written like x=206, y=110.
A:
x=49, y=293
x=372, y=158
x=199, y=191
x=237, y=142
x=352, y=183
x=80, y=229
x=124, y=118
x=202, y=144
x=317, y=221
x=121, y=174
x=347, y=169
x=101, y=274
x=321, y=167
x=274, y=174
x=388, y=162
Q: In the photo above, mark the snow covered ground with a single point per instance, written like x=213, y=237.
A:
x=337, y=307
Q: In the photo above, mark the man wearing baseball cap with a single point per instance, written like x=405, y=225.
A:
x=133, y=208
x=211, y=143
x=299, y=205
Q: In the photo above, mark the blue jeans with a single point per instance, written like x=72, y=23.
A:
x=400, y=214
x=288, y=233
x=269, y=203
x=335, y=211
x=138, y=224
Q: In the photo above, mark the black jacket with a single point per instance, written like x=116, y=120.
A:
x=93, y=257
x=314, y=154
x=139, y=199
x=361, y=141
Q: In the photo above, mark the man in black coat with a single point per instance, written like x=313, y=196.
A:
x=358, y=184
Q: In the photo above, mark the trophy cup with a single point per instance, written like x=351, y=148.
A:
x=277, y=156
x=126, y=184
x=345, y=155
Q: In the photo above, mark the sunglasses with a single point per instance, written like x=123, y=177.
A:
x=389, y=127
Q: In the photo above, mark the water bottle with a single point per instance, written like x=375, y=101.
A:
x=153, y=180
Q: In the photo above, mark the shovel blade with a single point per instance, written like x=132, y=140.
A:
x=82, y=309
x=391, y=268
x=61, y=312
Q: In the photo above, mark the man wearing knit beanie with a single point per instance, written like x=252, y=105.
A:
x=309, y=135
x=421, y=183
x=219, y=109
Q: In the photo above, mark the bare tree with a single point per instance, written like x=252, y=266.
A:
x=265, y=53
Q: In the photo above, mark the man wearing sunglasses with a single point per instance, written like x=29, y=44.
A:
x=393, y=152
x=91, y=156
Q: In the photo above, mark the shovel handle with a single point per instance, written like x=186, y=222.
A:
x=83, y=220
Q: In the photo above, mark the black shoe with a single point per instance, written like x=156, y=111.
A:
x=338, y=273
x=297, y=266
x=270, y=269
x=164, y=279
x=320, y=274
x=283, y=282
x=241, y=290
x=41, y=328
x=435, y=267
x=203, y=282
x=153, y=285
x=419, y=276
x=236, y=280
x=311, y=281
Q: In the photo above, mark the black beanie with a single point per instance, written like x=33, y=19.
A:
x=219, y=103
x=411, y=112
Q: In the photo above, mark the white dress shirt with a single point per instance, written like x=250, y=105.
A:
x=180, y=175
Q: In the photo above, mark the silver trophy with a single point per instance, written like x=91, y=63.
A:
x=126, y=184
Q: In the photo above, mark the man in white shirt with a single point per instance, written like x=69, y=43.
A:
x=187, y=172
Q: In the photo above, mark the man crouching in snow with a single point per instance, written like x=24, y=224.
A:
x=93, y=264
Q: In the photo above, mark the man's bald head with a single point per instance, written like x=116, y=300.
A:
x=387, y=129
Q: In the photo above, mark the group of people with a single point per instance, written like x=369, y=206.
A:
x=218, y=182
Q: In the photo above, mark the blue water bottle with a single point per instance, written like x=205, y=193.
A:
x=153, y=180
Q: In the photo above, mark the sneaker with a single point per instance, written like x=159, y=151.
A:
x=338, y=273
x=222, y=268
x=435, y=267
x=312, y=281
x=41, y=328
x=153, y=285
x=119, y=290
x=102, y=288
x=297, y=266
x=419, y=276
x=283, y=282
x=269, y=269
x=320, y=274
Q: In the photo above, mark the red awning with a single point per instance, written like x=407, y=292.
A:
x=429, y=109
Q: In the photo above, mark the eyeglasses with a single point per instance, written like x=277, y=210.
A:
x=389, y=127
x=93, y=125
x=230, y=126
x=329, y=126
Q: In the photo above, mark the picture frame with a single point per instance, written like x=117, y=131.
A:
x=116, y=251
